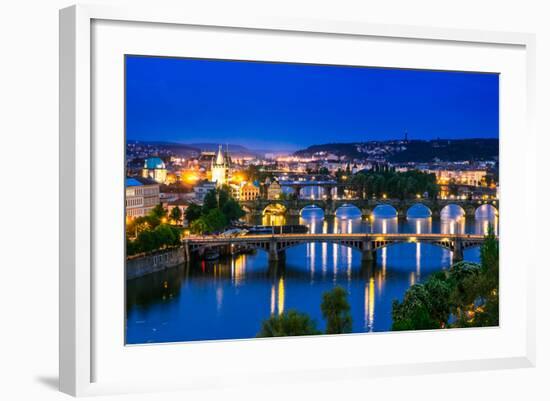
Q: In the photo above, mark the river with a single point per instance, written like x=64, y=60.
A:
x=229, y=298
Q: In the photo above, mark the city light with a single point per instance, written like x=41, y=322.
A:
x=256, y=211
x=190, y=177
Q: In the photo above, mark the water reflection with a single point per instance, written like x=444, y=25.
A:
x=315, y=193
x=273, y=220
x=453, y=220
x=229, y=298
x=281, y=296
x=386, y=225
x=419, y=225
x=486, y=216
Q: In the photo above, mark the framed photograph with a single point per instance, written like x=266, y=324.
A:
x=272, y=198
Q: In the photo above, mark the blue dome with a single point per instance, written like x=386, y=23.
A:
x=153, y=163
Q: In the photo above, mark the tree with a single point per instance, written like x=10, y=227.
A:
x=146, y=241
x=158, y=211
x=336, y=311
x=176, y=214
x=290, y=323
x=489, y=259
x=418, y=318
x=164, y=236
x=468, y=290
x=193, y=212
x=439, y=291
x=198, y=226
x=232, y=210
x=414, y=312
x=215, y=220
x=463, y=279
x=210, y=201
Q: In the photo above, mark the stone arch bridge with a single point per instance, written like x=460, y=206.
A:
x=276, y=244
x=294, y=207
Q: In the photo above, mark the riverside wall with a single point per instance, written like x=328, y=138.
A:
x=138, y=266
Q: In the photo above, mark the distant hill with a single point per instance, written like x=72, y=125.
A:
x=347, y=150
x=174, y=147
x=410, y=151
x=236, y=150
x=448, y=150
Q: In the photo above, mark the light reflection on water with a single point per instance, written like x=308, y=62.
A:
x=229, y=298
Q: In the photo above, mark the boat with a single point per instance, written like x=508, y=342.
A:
x=287, y=229
x=211, y=254
x=260, y=230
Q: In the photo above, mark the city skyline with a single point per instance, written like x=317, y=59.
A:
x=287, y=107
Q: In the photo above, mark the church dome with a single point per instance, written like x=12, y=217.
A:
x=154, y=163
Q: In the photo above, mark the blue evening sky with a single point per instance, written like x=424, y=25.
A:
x=283, y=106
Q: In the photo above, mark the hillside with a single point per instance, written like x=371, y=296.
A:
x=410, y=151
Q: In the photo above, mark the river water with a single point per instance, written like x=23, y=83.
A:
x=229, y=298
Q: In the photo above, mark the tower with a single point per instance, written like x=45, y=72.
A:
x=220, y=168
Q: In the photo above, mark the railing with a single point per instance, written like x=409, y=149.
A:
x=332, y=237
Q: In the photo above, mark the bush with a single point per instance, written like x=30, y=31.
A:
x=336, y=311
x=291, y=323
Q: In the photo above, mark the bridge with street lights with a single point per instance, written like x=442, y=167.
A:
x=276, y=244
x=294, y=207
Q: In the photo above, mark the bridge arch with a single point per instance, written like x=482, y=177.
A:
x=384, y=211
x=486, y=211
x=312, y=211
x=348, y=211
x=452, y=211
x=418, y=211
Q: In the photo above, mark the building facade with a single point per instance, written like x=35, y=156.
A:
x=249, y=192
x=202, y=189
x=142, y=195
x=464, y=177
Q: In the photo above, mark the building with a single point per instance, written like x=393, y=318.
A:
x=464, y=177
x=206, y=159
x=220, y=168
x=202, y=189
x=142, y=195
x=155, y=169
x=249, y=192
x=274, y=191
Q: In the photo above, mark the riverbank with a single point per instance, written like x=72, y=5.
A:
x=141, y=265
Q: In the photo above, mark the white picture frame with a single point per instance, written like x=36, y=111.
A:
x=79, y=344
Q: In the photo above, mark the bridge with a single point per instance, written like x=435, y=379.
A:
x=329, y=206
x=276, y=244
x=327, y=185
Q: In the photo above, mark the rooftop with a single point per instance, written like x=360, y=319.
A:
x=138, y=181
x=154, y=163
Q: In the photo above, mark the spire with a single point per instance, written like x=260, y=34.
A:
x=219, y=157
